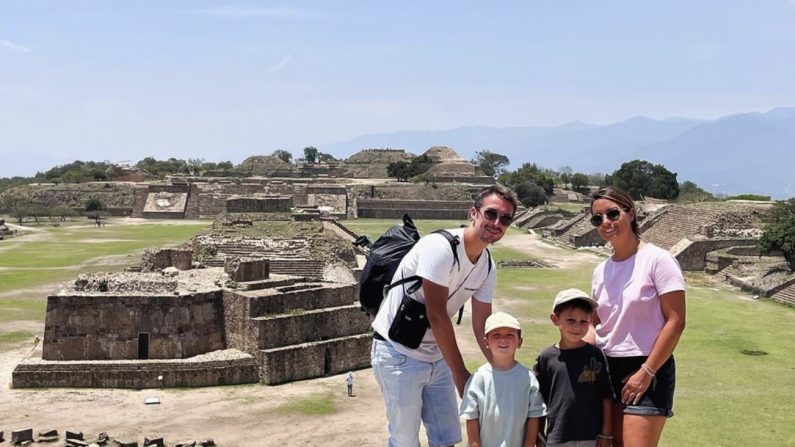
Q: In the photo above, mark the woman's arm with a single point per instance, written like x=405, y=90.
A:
x=673, y=308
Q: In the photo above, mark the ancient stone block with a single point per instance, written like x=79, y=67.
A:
x=76, y=443
x=154, y=440
x=47, y=435
x=102, y=438
x=156, y=259
x=74, y=434
x=185, y=444
x=247, y=269
x=126, y=443
x=20, y=436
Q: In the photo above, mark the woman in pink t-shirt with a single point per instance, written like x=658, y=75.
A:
x=641, y=315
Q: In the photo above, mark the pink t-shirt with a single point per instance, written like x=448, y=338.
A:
x=629, y=305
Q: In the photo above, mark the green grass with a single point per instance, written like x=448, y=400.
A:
x=65, y=251
x=61, y=253
x=317, y=405
x=14, y=337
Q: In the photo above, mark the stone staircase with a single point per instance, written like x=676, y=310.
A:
x=301, y=330
x=786, y=295
x=678, y=222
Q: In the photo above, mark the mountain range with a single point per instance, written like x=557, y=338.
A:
x=735, y=154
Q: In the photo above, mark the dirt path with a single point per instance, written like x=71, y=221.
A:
x=246, y=415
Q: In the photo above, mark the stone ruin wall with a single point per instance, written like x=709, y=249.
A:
x=417, y=209
x=138, y=374
x=117, y=197
x=259, y=204
x=106, y=327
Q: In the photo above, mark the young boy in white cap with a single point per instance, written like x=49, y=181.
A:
x=502, y=404
x=573, y=378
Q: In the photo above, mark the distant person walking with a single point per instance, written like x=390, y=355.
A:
x=419, y=384
x=640, y=291
x=349, y=381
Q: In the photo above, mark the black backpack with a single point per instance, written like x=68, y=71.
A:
x=385, y=256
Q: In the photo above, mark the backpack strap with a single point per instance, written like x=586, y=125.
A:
x=461, y=310
x=454, y=242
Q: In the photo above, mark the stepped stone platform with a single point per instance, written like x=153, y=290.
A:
x=198, y=328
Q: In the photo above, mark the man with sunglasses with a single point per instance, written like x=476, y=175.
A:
x=419, y=385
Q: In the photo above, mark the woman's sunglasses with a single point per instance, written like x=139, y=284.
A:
x=492, y=215
x=613, y=214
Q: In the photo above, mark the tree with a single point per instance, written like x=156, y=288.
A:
x=400, y=170
x=94, y=204
x=691, y=192
x=20, y=211
x=640, y=178
x=780, y=232
x=323, y=157
x=579, y=182
x=194, y=165
x=283, y=155
x=37, y=211
x=530, y=194
x=310, y=154
x=63, y=212
x=529, y=172
x=491, y=163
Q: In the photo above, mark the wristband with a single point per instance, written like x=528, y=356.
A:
x=604, y=436
x=648, y=370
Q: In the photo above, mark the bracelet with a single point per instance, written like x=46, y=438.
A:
x=648, y=370
x=604, y=436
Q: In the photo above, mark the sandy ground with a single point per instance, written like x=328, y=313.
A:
x=246, y=415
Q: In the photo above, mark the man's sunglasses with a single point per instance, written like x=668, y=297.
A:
x=613, y=214
x=491, y=215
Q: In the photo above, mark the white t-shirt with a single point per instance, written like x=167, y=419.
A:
x=628, y=293
x=502, y=401
x=432, y=259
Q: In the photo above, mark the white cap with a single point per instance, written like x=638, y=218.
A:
x=564, y=296
x=501, y=319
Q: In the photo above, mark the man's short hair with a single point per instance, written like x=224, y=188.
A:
x=502, y=191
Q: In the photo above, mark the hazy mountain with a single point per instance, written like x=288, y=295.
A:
x=745, y=153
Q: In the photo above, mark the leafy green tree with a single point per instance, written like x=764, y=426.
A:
x=530, y=194
x=530, y=172
x=780, y=232
x=310, y=154
x=400, y=170
x=579, y=182
x=640, y=178
x=491, y=163
x=194, y=165
x=691, y=192
x=94, y=204
x=323, y=157
x=283, y=155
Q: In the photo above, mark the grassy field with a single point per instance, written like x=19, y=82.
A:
x=735, y=363
x=53, y=254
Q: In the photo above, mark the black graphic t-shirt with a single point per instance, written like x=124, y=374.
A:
x=573, y=383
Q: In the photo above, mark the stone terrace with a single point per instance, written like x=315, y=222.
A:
x=197, y=328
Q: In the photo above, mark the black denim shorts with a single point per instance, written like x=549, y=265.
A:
x=658, y=400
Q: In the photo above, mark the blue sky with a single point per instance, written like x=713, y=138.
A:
x=122, y=80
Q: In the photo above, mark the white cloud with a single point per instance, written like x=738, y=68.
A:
x=11, y=46
x=238, y=12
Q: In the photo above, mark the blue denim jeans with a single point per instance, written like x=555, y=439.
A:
x=416, y=391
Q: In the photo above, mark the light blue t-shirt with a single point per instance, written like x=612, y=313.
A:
x=502, y=401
